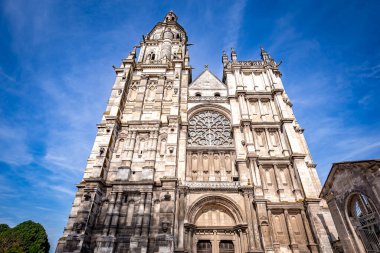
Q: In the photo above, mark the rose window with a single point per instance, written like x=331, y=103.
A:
x=209, y=128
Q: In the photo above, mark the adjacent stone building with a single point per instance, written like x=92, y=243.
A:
x=204, y=165
x=352, y=192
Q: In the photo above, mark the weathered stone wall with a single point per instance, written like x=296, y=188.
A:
x=346, y=180
x=177, y=164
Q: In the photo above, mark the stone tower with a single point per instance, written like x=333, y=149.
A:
x=197, y=166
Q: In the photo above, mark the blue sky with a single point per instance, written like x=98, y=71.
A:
x=56, y=77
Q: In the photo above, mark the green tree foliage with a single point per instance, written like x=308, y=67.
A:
x=27, y=237
x=3, y=228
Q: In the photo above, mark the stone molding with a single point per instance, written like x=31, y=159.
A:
x=212, y=186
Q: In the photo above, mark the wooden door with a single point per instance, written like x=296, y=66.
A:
x=204, y=247
x=226, y=247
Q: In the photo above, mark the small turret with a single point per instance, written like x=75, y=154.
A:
x=233, y=55
x=187, y=58
x=132, y=54
x=264, y=55
x=224, y=58
x=170, y=17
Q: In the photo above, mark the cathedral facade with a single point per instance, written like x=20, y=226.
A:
x=203, y=165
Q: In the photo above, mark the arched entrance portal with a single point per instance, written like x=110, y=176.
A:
x=365, y=220
x=215, y=227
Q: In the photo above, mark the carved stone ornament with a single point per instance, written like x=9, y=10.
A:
x=209, y=128
x=165, y=226
x=167, y=196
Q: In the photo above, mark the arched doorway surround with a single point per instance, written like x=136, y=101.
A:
x=216, y=221
x=365, y=220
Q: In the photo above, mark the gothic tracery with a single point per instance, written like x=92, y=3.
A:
x=209, y=128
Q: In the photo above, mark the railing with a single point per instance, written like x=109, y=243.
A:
x=213, y=185
x=208, y=98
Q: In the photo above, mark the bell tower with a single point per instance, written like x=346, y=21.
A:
x=126, y=201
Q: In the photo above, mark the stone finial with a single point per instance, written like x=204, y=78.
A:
x=132, y=54
x=224, y=58
x=233, y=55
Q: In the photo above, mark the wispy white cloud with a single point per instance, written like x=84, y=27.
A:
x=235, y=16
x=45, y=209
x=6, y=76
x=13, y=139
x=62, y=189
x=34, y=26
x=367, y=71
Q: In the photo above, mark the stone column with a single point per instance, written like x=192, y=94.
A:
x=293, y=243
x=249, y=138
x=181, y=217
x=149, y=155
x=242, y=244
x=280, y=188
x=270, y=145
x=262, y=113
x=281, y=105
x=243, y=106
x=194, y=244
x=200, y=166
x=274, y=110
x=276, y=243
x=285, y=150
x=312, y=245
x=146, y=217
x=211, y=165
x=187, y=241
x=347, y=240
x=140, y=98
x=255, y=141
x=140, y=214
x=130, y=149
x=261, y=171
x=189, y=163
x=293, y=177
x=251, y=242
x=191, y=242
x=107, y=221
x=153, y=147
x=258, y=189
x=255, y=222
x=222, y=166
x=116, y=214
x=265, y=227
x=214, y=243
x=127, y=142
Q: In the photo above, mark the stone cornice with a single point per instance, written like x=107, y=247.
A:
x=265, y=124
x=208, y=148
x=298, y=156
x=285, y=205
x=274, y=161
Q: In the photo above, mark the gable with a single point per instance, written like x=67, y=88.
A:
x=207, y=81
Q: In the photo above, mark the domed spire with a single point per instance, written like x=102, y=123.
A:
x=170, y=17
